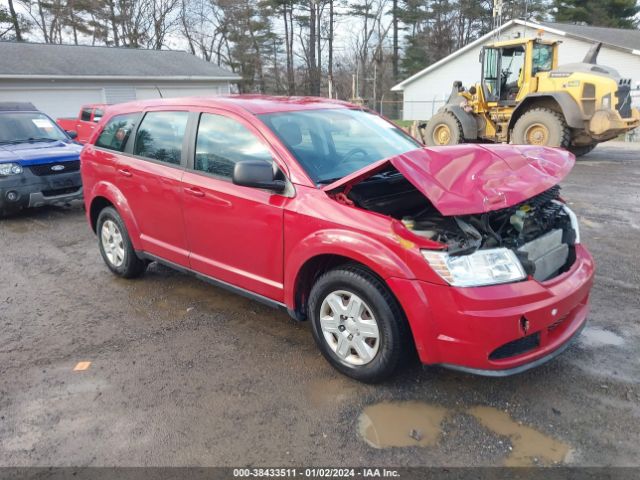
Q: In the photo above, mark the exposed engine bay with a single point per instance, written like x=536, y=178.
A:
x=539, y=230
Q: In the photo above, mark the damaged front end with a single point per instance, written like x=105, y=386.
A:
x=532, y=238
x=538, y=236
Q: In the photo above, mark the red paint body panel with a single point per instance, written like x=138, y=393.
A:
x=467, y=179
x=462, y=326
x=261, y=241
x=84, y=128
x=235, y=234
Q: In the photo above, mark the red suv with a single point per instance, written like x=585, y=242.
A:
x=326, y=210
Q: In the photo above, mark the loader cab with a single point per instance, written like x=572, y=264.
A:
x=509, y=67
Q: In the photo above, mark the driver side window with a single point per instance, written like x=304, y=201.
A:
x=222, y=141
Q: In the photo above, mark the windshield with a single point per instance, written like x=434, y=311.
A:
x=542, y=57
x=20, y=127
x=330, y=144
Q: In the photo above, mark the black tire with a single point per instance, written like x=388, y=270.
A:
x=555, y=131
x=394, y=336
x=131, y=266
x=446, y=121
x=581, y=150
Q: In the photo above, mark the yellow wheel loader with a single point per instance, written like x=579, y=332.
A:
x=524, y=97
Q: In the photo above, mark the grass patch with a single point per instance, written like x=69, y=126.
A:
x=403, y=123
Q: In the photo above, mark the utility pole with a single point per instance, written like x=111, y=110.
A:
x=395, y=41
x=330, y=66
x=497, y=16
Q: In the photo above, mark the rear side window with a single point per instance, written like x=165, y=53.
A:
x=222, y=142
x=160, y=136
x=116, y=132
x=85, y=115
x=97, y=115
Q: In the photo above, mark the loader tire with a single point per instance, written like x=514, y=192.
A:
x=581, y=150
x=443, y=129
x=541, y=126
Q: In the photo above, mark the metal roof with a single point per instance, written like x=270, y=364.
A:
x=37, y=60
x=617, y=37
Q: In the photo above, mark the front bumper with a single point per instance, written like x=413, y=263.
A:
x=608, y=124
x=31, y=190
x=501, y=329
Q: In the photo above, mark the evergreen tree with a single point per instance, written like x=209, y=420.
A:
x=599, y=13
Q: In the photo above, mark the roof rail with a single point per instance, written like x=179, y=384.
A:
x=17, y=107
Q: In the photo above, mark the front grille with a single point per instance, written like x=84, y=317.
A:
x=624, y=100
x=59, y=191
x=42, y=170
x=517, y=347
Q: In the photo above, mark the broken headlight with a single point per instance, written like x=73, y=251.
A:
x=483, y=267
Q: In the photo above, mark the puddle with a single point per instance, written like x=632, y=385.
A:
x=16, y=227
x=418, y=424
x=528, y=444
x=401, y=424
x=599, y=337
x=590, y=223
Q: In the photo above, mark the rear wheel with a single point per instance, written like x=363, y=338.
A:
x=443, y=129
x=581, y=150
x=115, y=246
x=541, y=126
x=357, y=324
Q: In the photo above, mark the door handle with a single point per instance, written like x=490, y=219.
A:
x=125, y=172
x=196, y=192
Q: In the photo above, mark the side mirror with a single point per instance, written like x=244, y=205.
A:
x=72, y=134
x=257, y=174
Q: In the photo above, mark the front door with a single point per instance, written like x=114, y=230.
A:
x=85, y=125
x=235, y=233
x=150, y=177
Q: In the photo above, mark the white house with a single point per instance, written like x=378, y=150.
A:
x=427, y=90
x=58, y=79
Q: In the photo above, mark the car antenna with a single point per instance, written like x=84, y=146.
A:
x=159, y=92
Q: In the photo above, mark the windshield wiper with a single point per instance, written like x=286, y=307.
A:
x=327, y=181
x=31, y=140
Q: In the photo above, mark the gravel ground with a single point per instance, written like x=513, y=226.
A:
x=185, y=374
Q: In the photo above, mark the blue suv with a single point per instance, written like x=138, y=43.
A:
x=39, y=162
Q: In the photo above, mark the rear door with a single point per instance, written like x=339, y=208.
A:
x=235, y=233
x=150, y=177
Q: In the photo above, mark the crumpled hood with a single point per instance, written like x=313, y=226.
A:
x=470, y=179
x=38, y=153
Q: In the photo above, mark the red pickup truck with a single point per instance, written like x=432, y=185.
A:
x=87, y=119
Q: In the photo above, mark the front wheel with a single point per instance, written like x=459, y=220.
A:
x=541, y=126
x=443, y=129
x=115, y=245
x=357, y=324
x=581, y=150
